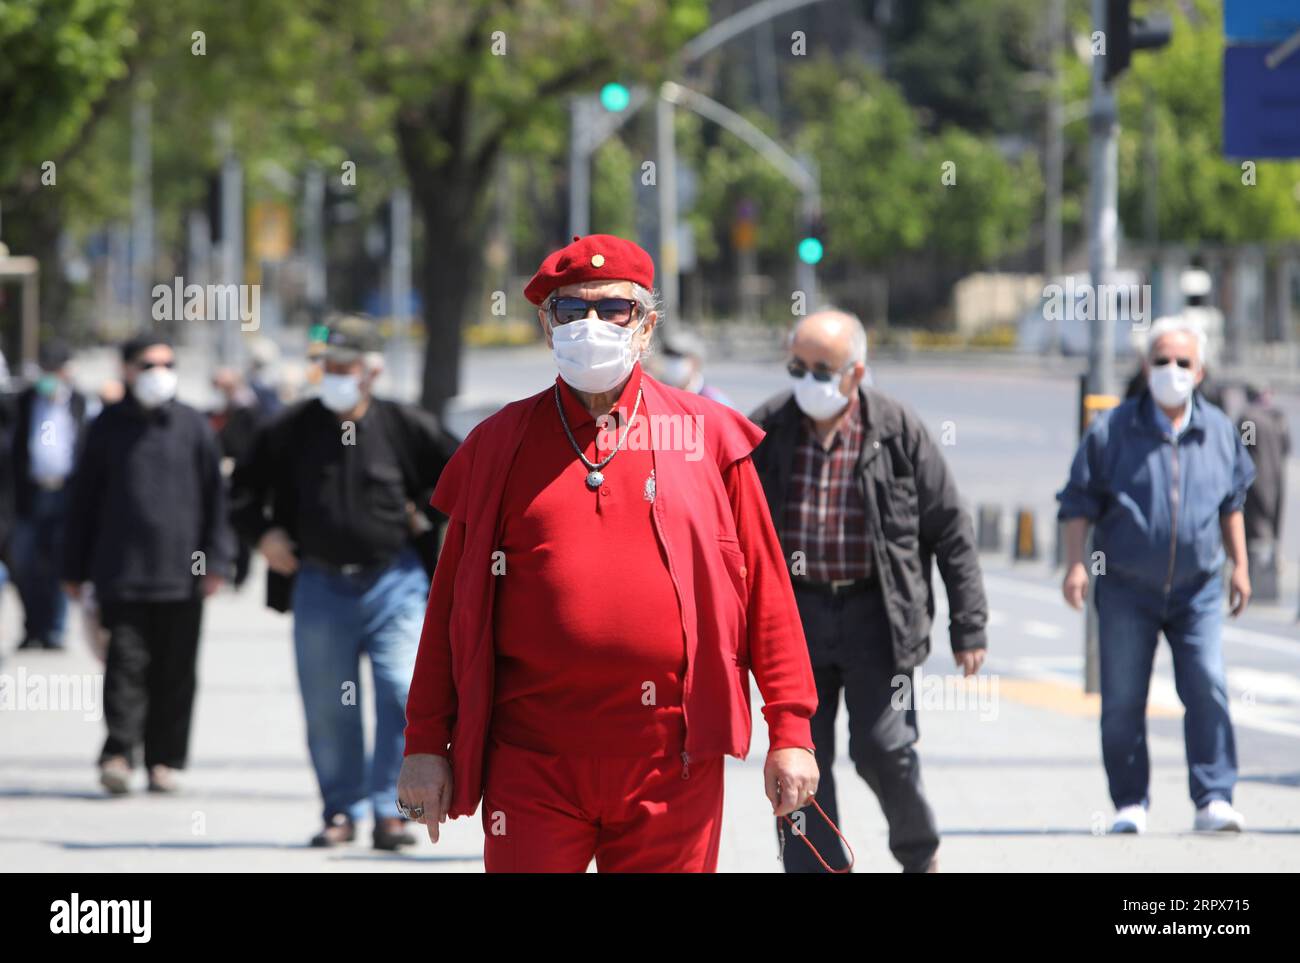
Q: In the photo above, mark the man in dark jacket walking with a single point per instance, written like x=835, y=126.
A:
x=863, y=501
x=147, y=526
x=1267, y=436
x=333, y=493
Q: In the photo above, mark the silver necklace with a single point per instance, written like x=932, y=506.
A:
x=595, y=477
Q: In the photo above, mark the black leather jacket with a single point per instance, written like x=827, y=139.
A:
x=914, y=512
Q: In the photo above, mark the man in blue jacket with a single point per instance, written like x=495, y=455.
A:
x=1163, y=478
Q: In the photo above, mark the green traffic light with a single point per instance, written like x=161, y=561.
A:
x=810, y=250
x=615, y=97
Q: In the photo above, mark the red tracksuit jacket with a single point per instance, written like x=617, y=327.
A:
x=694, y=524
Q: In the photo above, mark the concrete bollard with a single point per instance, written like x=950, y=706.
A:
x=989, y=528
x=1262, y=556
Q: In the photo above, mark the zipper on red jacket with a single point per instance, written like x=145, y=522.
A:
x=686, y=765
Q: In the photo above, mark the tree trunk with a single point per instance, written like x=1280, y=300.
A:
x=452, y=266
x=448, y=190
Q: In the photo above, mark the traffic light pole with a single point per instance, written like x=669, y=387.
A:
x=1103, y=240
x=666, y=193
x=580, y=166
x=1103, y=217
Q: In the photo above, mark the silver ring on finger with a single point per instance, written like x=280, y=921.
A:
x=410, y=812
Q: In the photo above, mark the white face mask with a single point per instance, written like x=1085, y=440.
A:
x=676, y=371
x=1171, y=385
x=340, y=392
x=155, y=387
x=819, y=400
x=593, y=355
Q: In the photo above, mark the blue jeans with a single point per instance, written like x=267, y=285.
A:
x=36, y=552
x=336, y=617
x=1130, y=620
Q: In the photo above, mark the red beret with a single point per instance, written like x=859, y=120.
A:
x=596, y=257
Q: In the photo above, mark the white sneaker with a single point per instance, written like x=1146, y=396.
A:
x=1130, y=819
x=1218, y=816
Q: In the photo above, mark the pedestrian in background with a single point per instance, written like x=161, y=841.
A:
x=1162, y=479
x=46, y=437
x=147, y=527
x=863, y=501
x=239, y=415
x=680, y=364
x=333, y=494
x=1267, y=436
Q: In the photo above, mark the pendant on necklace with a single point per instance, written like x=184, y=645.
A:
x=595, y=479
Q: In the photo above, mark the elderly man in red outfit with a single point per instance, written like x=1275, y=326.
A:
x=609, y=579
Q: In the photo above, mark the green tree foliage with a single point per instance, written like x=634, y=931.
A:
x=1174, y=95
x=881, y=180
x=963, y=61
x=57, y=58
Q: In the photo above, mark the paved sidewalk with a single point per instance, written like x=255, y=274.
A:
x=1017, y=786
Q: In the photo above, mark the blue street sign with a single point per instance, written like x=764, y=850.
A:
x=1261, y=104
x=1260, y=21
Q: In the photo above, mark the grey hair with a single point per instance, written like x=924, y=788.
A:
x=857, y=332
x=649, y=300
x=1173, y=324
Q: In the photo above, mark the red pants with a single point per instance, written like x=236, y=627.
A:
x=552, y=814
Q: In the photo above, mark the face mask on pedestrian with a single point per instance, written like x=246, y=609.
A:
x=155, y=386
x=593, y=355
x=47, y=385
x=818, y=400
x=340, y=392
x=1171, y=385
x=675, y=370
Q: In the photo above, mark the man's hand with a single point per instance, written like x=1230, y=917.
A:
x=1239, y=589
x=790, y=776
x=277, y=549
x=425, y=780
x=1075, y=586
x=72, y=590
x=212, y=585
x=970, y=660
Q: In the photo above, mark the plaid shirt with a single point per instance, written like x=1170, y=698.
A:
x=825, y=517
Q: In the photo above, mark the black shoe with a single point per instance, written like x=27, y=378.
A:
x=338, y=830
x=30, y=643
x=391, y=833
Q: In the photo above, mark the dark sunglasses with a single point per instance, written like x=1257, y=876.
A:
x=146, y=365
x=1161, y=362
x=798, y=369
x=614, y=310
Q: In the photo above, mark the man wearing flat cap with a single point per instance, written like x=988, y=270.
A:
x=609, y=580
x=328, y=495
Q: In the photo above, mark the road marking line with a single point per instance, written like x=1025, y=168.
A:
x=1231, y=633
x=1042, y=630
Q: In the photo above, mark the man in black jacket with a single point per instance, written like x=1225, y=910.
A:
x=147, y=526
x=333, y=495
x=863, y=501
x=49, y=422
